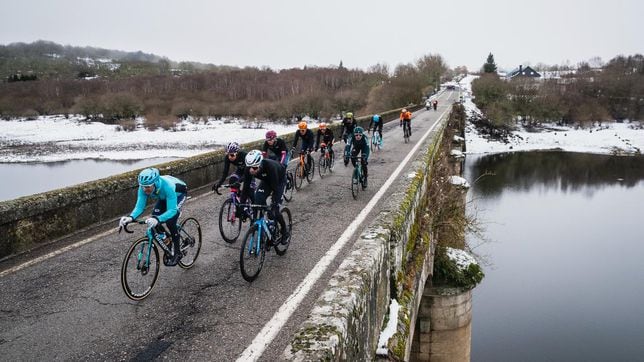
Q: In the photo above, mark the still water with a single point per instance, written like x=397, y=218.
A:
x=22, y=179
x=565, y=257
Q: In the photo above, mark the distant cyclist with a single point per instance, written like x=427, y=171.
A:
x=348, y=124
x=326, y=134
x=359, y=145
x=435, y=104
x=235, y=156
x=170, y=193
x=376, y=122
x=275, y=148
x=272, y=176
x=405, y=116
x=307, y=142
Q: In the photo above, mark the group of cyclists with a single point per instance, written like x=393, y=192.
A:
x=267, y=165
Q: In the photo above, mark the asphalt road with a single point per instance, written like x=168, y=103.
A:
x=71, y=306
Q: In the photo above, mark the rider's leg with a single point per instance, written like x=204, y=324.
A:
x=365, y=171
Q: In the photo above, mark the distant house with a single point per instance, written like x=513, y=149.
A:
x=523, y=72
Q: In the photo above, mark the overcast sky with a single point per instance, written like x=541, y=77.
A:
x=294, y=33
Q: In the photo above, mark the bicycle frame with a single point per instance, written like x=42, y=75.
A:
x=262, y=227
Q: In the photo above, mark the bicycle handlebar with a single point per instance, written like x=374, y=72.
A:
x=124, y=227
x=224, y=185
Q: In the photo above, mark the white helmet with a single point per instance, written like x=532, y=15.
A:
x=254, y=158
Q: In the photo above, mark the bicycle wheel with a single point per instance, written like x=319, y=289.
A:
x=379, y=141
x=280, y=248
x=406, y=130
x=299, y=176
x=137, y=275
x=373, y=142
x=290, y=186
x=190, y=234
x=251, y=255
x=229, y=224
x=355, y=183
x=311, y=173
x=322, y=166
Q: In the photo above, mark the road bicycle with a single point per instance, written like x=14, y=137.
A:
x=140, y=267
x=263, y=234
x=326, y=161
x=406, y=130
x=357, y=180
x=376, y=140
x=229, y=222
x=301, y=172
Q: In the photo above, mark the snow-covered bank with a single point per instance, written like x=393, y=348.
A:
x=55, y=138
x=608, y=138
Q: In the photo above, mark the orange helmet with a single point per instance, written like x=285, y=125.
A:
x=301, y=125
x=322, y=125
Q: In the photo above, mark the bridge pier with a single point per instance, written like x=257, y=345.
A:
x=443, y=327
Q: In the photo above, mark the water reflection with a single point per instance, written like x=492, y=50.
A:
x=560, y=170
x=22, y=179
x=564, y=276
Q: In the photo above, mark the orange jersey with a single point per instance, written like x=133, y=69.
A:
x=405, y=115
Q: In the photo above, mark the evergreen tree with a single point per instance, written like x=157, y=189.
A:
x=490, y=65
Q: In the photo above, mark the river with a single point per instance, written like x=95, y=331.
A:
x=563, y=256
x=22, y=179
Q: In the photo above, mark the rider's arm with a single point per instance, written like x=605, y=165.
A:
x=297, y=137
x=141, y=200
x=224, y=174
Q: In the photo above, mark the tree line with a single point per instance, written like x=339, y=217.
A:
x=614, y=91
x=169, y=93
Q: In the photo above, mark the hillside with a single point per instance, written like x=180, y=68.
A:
x=49, y=60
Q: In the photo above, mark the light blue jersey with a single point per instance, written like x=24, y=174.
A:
x=167, y=188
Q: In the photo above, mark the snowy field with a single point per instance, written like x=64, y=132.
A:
x=52, y=139
x=608, y=138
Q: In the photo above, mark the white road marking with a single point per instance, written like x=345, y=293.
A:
x=272, y=328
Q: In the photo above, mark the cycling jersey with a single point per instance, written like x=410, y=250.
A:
x=327, y=137
x=307, y=139
x=277, y=152
x=239, y=162
x=170, y=190
x=348, y=124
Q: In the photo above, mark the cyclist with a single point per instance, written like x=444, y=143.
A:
x=348, y=124
x=275, y=148
x=272, y=176
x=307, y=142
x=435, y=104
x=234, y=155
x=405, y=116
x=170, y=193
x=376, y=121
x=326, y=134
x=360, y=145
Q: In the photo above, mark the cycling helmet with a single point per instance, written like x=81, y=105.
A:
x=233, y=147
x=271, y=134
x=254, y=158
x=322, y=125
x=404, y=110
x=148, y=177
x=301, y=125
x=349, y=114
x=358, y=130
